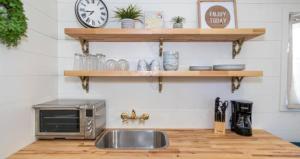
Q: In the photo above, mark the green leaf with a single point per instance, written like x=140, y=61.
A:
x=14, y=26
x=131, y=12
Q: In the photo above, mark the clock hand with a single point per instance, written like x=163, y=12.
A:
x=91, y=12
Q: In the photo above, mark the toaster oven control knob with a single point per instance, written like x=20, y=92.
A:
x=89, y=128
x=89, y=132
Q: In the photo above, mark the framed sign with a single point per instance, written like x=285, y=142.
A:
x=217, y=14
x=154, y=19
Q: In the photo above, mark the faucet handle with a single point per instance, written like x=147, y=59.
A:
x=124, y=116
x=145, y=116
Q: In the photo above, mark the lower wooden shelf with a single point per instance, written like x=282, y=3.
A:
x=164, y=73
x=236, y=76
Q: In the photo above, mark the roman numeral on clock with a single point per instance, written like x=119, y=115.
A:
x=83, y=15
x=88, y=20
x=83, y=4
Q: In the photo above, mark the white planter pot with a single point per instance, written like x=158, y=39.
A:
x=178, y=25
x=128, y=23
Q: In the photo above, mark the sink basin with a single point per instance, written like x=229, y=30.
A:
x=132, y=139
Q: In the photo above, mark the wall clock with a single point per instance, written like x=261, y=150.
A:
x=91, y=13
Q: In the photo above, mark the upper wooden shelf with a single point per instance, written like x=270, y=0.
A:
x=164, y=74
x=166, y=35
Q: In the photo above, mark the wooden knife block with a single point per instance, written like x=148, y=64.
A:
x=220, y=128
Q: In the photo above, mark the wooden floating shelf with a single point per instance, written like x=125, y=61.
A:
x=236, y=76
x=164, y=74
x=236, y=36
x=167, y=35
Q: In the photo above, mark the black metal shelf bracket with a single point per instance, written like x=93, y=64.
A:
x=160, y=84
x=85, y=83
x=236, y=83
x=161, y=47
x=237, y=47
x=85, y=47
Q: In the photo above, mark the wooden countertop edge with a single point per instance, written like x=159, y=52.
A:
x=184, y=143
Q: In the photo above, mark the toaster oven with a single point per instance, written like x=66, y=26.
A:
x=70, y=119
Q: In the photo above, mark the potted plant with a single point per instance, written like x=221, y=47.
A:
x=128, y=16
x=178, y=22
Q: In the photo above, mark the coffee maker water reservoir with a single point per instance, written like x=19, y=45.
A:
x=241, y=119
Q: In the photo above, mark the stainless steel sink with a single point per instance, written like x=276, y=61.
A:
x=132, y=139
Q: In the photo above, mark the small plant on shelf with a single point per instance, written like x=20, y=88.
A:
x=178, y=22
x=128, y=16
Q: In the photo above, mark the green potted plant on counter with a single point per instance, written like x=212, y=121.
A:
x=128, y=16
x=178, y=22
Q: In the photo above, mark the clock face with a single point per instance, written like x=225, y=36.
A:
x=91, y=13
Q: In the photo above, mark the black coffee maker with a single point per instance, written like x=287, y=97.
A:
x=241, y=119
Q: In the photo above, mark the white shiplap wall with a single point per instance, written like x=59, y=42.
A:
x=187, y=103
x=28, y=75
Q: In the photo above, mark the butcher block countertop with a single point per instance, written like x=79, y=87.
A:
x=185, y=144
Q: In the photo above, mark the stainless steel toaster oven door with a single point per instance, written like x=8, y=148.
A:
x=64, y=122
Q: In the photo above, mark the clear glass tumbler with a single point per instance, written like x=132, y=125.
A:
x=91, y=62
x=100, y=62
x=94, y=62
x=155, y=65
x=143, y=65
x=84, y=62
x=77, y=62
x=123, y=65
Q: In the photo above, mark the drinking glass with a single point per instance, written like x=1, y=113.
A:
x=91, y=62
x=155, y=65
x=142, y=66
x=111, y=65
x=100, y=62
x=123, y=65
x=77, y=62
x=84, y=62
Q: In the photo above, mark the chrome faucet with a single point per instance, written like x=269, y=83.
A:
x=125, y=116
